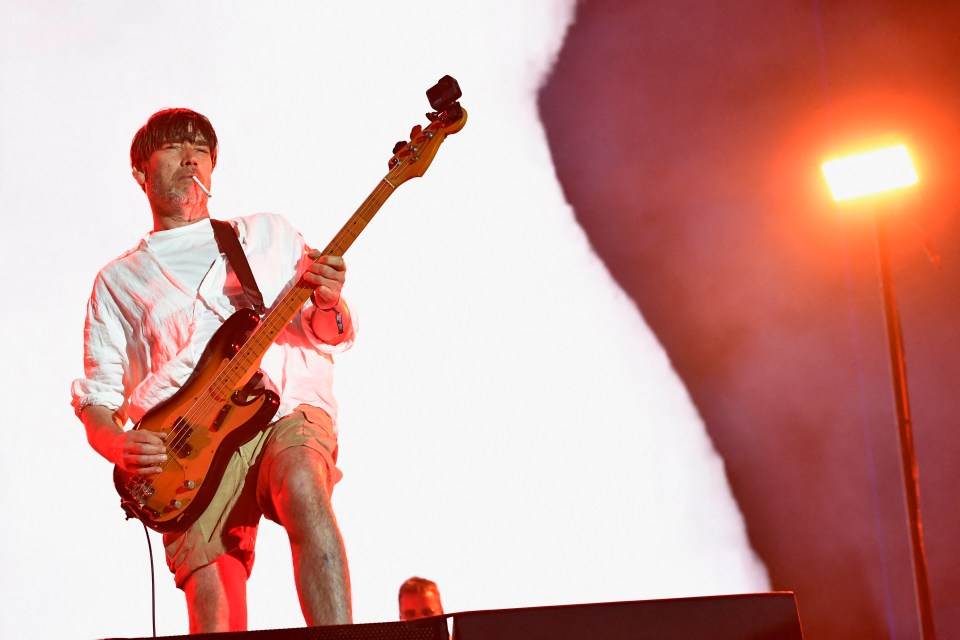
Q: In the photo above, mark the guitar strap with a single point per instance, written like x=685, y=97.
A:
x=229, y=244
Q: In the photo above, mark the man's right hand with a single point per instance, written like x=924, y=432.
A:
x=136, y=452
x=140, y=452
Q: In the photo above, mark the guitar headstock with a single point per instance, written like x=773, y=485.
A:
x=412, y=158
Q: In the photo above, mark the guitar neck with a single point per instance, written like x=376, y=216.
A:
x=287, y=307
x=359, y=220
x=410, y=160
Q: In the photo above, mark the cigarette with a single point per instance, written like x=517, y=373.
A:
x=200, y=184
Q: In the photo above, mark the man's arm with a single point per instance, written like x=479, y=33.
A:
x=133, y=451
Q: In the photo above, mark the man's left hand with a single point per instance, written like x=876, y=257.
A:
x=328, y=274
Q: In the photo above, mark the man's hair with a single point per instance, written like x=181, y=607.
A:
x=171, y=125
x=417, y=585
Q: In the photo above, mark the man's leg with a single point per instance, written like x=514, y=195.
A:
x=299, y=490
x=217, y=596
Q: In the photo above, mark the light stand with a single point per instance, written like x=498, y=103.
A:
x=908, y=458
x=862, y=175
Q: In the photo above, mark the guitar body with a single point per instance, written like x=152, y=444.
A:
x=205, y=424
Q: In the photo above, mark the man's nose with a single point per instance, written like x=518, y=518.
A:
x=188, y=155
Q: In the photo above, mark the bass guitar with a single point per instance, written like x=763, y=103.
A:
x=220, y=407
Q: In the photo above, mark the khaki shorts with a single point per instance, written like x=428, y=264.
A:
x=229, y=524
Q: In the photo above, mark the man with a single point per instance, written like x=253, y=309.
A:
x=419, y=598
x=150, y=315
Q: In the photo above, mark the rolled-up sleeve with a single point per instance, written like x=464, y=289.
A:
x=104, y=356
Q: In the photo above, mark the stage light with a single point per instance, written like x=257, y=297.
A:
x=869, y=173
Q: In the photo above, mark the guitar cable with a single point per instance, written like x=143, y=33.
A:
x=153, y=583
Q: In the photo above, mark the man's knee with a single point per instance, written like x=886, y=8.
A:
x=299, y=481
x=302, y=468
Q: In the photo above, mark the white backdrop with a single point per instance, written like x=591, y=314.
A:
x=509, y=426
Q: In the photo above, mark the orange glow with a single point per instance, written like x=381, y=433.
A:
x=870, y=173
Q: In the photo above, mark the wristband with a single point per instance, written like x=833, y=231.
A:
x=339, y=316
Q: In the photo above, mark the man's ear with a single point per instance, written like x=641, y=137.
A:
x=140, y=177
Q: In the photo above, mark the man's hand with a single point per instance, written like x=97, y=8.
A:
x=139, y=452
x=136, y=452
x=328, y=274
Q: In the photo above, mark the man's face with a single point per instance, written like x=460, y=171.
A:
x=167, y=176
x=420, y=605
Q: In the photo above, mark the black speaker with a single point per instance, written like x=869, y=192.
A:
x=425, y=629
x=760, y=616
x=764, y=616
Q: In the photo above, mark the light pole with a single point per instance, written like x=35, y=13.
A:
x=867, y=175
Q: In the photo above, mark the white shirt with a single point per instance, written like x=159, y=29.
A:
x=146, y=327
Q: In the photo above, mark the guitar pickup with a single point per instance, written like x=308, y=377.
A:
x=221, y=417
x=178, y=442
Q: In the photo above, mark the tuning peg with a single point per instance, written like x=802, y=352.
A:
x=400, y=145
x=415, y=132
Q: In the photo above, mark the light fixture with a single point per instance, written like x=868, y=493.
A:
x=870, y=173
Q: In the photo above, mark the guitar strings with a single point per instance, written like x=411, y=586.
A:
x=220, y=386
x=205, y=406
